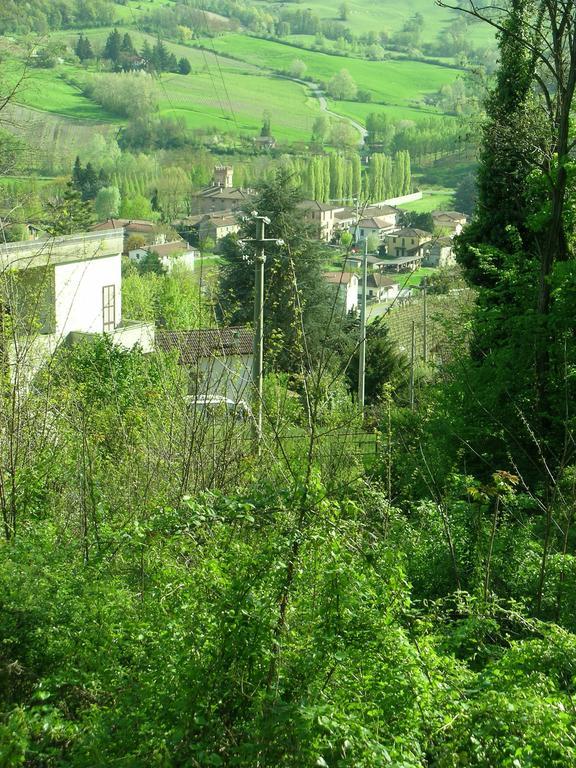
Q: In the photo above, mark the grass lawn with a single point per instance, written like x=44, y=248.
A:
x=400, y=83
x=415, y=278
x=432, y=200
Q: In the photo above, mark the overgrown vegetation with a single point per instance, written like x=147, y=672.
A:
x=392, y=587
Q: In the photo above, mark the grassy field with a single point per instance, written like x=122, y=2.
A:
x=376, y=15
x=432, y=200
x=359, y=111
x=231, y=94
x=239, y=105
x=48, y=92
x=399, y=83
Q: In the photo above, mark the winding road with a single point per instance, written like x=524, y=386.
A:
x=318, y=93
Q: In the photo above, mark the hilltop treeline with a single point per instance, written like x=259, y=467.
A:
x=41, y=16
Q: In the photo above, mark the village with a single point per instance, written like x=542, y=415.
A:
x=69, y=288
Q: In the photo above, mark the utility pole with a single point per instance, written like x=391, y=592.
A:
x=258, y=355
x=412, y=360
x=425, y=331
x=258, y=350
x=362, y=346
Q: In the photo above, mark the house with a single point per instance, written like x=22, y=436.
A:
x=64, y=289
x=451, y=221
x=373, y=226
x=145, y=229
x=216, y=226
x=264, y=142
x=218, y=360
x=440, y=253
x=323, y=217
x=373, y=261
x=406, y=249
x=169, y=254
x=350, y=219
x=380, y=288
x=346, y=284
x=221, y=195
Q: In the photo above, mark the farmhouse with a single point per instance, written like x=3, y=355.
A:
x=216, y=226
x=346, y=284
x=62, y=290
x=218, y=360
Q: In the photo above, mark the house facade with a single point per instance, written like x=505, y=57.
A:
x=216, y=226
x=346, y=284
x=440, y=253
x=323, y=217
x=218, y=360
x=381, y=288
x=65, y=289
x=451, y=221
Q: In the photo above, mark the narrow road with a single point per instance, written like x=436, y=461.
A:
x=318, y=93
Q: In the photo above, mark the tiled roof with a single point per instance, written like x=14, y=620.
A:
x=377, y=280
x=338, y=278
x=206, y=342
x=410, y=232
x=131, y=225
x=316, y=206
x=226, y=193
x=167, y=249
x=450, y=214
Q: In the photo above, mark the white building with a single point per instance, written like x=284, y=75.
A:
x=218, y=360
x=64, y=289
x=380, y=288
x=346, y=283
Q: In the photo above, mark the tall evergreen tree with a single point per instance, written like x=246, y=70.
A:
x=113, y=47
x=297, y=300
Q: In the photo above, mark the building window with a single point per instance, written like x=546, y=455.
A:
x=109, y=307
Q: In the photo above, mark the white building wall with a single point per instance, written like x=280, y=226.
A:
x=78, y=291
x=226, y=376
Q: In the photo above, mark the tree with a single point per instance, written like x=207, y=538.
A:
x=297, y=69
x=343, y=135
x=466, y=195
x=113, y=47
x=343, y=11
x=520, y=243
x=297, y=301
x=184, y=67
x=385, y=365
x=68, y=214
x=266, y=127
x=137, y=207
x=320, y=128
x=107, y=203
x=342, y=86
x=83, y=48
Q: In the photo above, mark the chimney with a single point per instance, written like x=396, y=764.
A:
x=223, y=175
